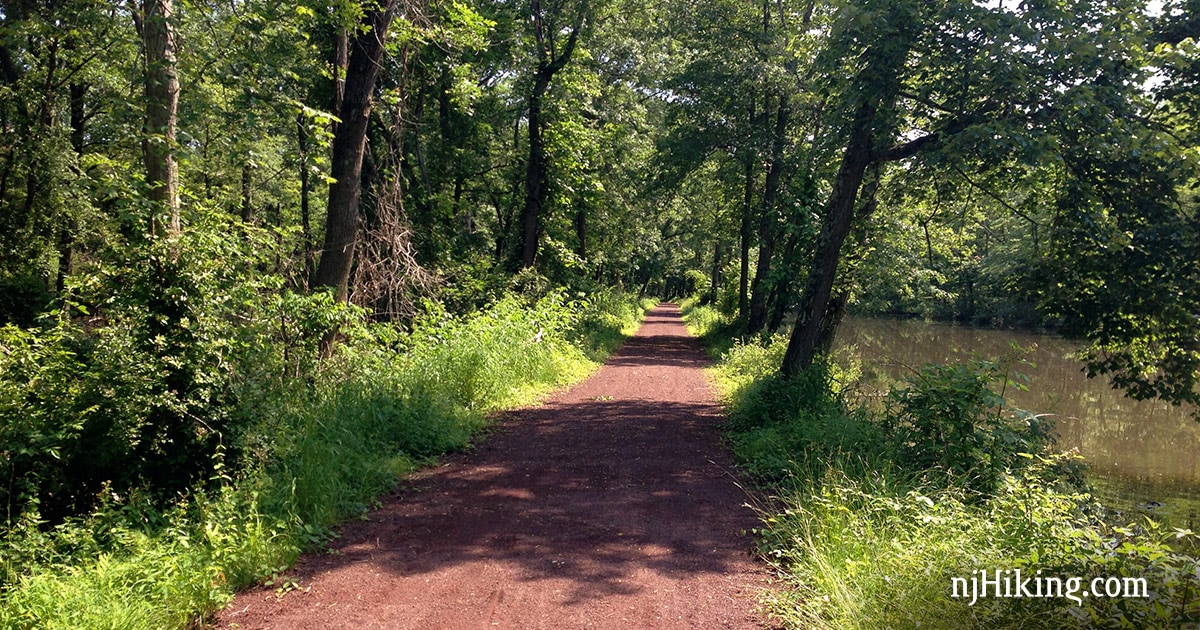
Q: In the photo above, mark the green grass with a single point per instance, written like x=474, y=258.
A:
x=316, y=455
x=864, y=538
x=717, y=330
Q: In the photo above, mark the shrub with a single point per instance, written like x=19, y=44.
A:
x=607, y=317
x=876, y=513
x=299, y=444
x=701, y=320
x=947, y=418
x=148, y=368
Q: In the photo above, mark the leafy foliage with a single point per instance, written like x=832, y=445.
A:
x=948, y=418
x=305, y=445
x=1012, y=156
x=879, y=510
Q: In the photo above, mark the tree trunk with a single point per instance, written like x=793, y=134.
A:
x=341, y=61
x=248, y=192
x=877, y=86
x=66, y=232
x=349, y=146
x=581, y=233
x=744, y=243
x=835, y=312
x=838, y=214
x=79, y=116
x=162, y=103
x=781, y=293
x=305, y=206
x=535, y=174
x=715, y=279
x=549, y=63
x=767, y=230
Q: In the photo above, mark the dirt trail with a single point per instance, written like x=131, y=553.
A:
x=610, y=506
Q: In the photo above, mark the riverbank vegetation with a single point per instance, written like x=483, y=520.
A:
x=875, y=506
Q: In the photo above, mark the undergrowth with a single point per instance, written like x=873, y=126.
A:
x=706, y=322
x=317, y=442
x=877, y=507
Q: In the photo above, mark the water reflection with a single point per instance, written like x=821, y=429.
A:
x=1145, y=452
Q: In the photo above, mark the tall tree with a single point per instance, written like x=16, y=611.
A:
x=768, y=229
x=977, y=89
x=162, y=105
x=349, y=147
x=549, y=24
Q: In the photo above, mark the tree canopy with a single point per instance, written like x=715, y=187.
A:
x=999, y=162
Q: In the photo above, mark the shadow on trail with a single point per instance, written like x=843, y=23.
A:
x=661, y=342
x=593, y=497
x=614, y=479
x=658, y=351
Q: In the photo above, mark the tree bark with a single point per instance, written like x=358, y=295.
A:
x=549, y=63
x=839, y=211
x=535, y=175
x=349, y=146
x=581, y=233
x=744, y=241
x=78, y=92
x=162, y=104
x=767, y=230
x=715, y=279
x=305, y=204
x=248, y=192
x=341, y=61
x=746, y=231
x=835, y=312
x=781, y=292
x=66, y=232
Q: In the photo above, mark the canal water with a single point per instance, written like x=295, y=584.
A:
x=1144, y=456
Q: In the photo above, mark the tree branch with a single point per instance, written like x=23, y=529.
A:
x=995, y=197
x=908, y=149
x=557, y=63
x=927, y=103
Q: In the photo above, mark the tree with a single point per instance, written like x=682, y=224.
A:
x=549, y=24
x=59, y=61
x=873, y=94
x=349, y=147
x=162, y=104
x=1032, y=73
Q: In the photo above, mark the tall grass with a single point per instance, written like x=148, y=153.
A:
x=316, y=455
x=717, y=330
x=874, y=512
x=702, y=320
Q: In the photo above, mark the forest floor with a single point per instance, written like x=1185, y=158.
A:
x=612, y=505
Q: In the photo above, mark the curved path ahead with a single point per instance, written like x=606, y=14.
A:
x=610, y=506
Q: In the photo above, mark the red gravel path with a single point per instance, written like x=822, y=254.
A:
x=611, y=506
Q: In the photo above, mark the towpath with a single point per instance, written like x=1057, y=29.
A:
x=612, y=505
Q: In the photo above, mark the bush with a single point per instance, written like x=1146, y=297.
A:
x=701, y=320
x=167, y=447
x=606, y=319
x=947, y=418
x=876, y=513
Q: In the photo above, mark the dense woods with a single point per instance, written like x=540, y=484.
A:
x=219, y=220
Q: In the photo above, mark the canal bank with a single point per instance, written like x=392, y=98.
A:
x=1143, y=456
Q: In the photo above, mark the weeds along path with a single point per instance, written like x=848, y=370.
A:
x=610, y=506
